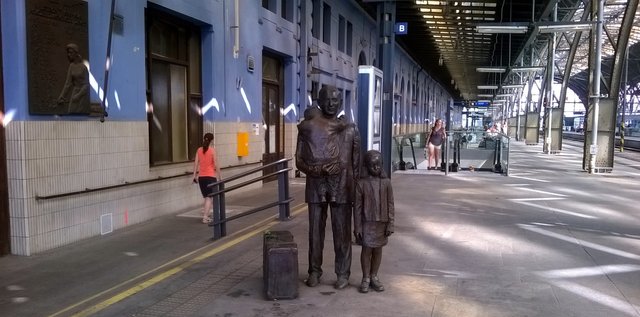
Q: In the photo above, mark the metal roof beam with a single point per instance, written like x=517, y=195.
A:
x=570, y=59
x=622, y=47
x=533, y=35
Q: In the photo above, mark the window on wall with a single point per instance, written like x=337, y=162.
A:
x=315, y=88
x=326, y=23
x=341, y=33
x=286, y=11
x=315, y=17
x=173, y=88
x=349, y=38
x=269, y=5
x=347, y=104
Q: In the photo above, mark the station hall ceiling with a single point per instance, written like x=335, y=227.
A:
x=452, y=48
x=443, y=37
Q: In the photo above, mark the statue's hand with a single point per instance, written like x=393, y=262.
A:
x=315, y=170
x=388, y=233
x=331, y=168
x=358, y=238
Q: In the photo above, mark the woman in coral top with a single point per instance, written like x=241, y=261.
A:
x=206, y=172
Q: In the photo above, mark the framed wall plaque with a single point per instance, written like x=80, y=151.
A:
x=57, y=57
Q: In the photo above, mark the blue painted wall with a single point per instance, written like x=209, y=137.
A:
x=224, y=76
x=127, y=77
x=14, y=54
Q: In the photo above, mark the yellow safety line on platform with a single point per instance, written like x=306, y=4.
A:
x=164, y=275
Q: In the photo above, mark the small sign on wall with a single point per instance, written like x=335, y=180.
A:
x=256, y=128
x=251, y=63
x=401, y=28
x=243, y=144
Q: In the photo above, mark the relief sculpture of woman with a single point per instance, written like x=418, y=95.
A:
x=75, y=93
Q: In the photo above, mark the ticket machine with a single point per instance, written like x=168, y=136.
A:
x=370, y=107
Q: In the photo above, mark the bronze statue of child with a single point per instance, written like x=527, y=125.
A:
x=373, y=219
x=320, y=137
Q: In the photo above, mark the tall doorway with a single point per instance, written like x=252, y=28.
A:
x=174, y=87
x=272, y=87
x=5, y=243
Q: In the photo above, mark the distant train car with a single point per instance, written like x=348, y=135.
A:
x=574, y=124
x=632, y=124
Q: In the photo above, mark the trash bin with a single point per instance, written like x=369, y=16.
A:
x=280, y=265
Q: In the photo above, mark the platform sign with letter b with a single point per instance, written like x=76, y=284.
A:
x=401, y=28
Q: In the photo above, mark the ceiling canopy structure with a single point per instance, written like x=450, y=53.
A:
x=470, y=46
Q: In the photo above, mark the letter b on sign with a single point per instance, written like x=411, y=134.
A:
x=401, y=28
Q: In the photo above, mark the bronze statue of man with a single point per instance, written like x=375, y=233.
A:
x=328, y=152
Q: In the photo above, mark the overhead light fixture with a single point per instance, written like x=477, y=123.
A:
x=512, y=86
x=528, y=69
x=491, y=69
x=485, y=95
x=552, y=27
x=517, y=28
x=487, y=87
x=503, y=95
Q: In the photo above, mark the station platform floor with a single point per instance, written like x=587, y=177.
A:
x=548, y=240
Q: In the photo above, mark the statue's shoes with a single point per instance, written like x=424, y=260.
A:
x=313, y=280
x=364, y=286
x=376, y=284
x=341, y=283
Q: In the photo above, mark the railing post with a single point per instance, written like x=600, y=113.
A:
x=219, y=213
x=445, y=156
x=497, y=164
x=283, y=191
x=455, y=166
x=223, y=210
x=508, y=156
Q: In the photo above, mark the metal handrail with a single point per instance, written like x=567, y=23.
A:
x=249, y=182
x=251, y=171
x=220, y=219
x=125, y=184
x=500, y=163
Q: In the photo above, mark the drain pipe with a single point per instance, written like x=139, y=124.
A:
x=236, y=26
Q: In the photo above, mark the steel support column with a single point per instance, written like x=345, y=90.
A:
x=620, y=59
x=528, y=109
x=304, y=99
x=386, y=16
x=593, y=149
x=519, y=109
x=550, y=79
